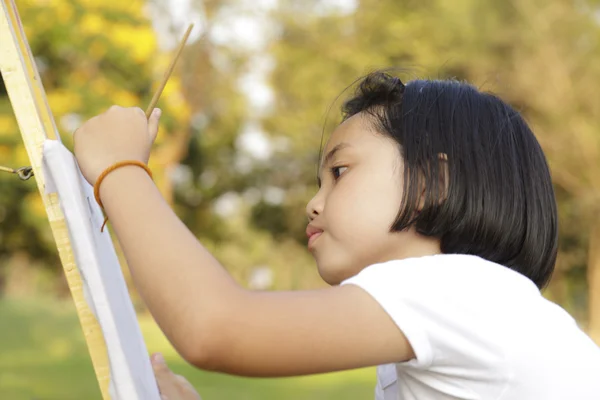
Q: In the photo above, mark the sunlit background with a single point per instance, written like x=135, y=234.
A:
x=243, y=119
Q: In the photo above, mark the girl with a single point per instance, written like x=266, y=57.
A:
x=435, y=224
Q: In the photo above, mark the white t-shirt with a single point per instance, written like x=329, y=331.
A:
x=479, y=331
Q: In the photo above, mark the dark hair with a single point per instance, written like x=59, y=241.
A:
x=499, y=202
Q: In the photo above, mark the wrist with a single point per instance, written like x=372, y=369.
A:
x=120, y=180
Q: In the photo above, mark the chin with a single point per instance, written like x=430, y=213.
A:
x=333, y=274
x=330, y=280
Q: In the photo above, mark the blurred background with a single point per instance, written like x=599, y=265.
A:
x=243, y=120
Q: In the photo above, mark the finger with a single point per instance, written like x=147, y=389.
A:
x=139, y=112
x=113, y=108
x=164, y=376
x=161, y=370
x=159, y=364
x=153, y=123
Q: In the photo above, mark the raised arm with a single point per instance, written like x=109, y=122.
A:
x=216, y=324
x=212, y=321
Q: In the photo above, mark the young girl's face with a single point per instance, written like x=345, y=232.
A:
x=361, y=177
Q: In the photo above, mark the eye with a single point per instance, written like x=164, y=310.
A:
x=337, y=172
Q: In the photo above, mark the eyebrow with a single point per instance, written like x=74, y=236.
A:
x=329, y=156
x=335, y=149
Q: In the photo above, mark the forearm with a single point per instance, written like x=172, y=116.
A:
x=182, y=284
x=217, y=325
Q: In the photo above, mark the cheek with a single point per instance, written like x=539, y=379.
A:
x=358, y=229
x=364, y=213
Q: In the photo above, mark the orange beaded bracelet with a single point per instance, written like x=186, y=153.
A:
x=108, y=171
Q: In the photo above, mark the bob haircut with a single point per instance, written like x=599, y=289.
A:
x=487, y=185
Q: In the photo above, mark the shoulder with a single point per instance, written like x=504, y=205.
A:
x=437, y=301
x=455, y=273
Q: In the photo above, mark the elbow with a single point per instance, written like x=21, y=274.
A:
x=208, y=343
x=198, y=353
x=204, y=347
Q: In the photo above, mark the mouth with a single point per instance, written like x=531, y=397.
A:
x=313, y=233
x=312, y=238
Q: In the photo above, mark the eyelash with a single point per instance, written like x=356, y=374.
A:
x=339, y=174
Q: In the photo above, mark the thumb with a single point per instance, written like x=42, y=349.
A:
x=159, y=365
x=164, y=377
x=153, y=124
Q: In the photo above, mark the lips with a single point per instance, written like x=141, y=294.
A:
x=313, y=233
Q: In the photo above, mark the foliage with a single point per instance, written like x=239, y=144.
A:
x=90, y=55
x=542, y=57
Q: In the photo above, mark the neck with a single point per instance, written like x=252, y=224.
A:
x=414, y=245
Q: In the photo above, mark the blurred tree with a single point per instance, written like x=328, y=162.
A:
x=95, y=54
x=90, y=55
x=221, y=179
x=542, y=57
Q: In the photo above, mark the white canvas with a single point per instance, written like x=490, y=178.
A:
x=105, y=290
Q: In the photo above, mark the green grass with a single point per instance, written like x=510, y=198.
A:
x=43, y=356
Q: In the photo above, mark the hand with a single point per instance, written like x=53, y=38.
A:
x=171, y=386
x=116, y=135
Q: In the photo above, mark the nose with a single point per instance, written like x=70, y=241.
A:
x=314, y=208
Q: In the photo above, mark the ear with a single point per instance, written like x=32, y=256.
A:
x=443, y=175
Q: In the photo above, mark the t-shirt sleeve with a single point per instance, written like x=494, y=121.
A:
x=447, y=318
